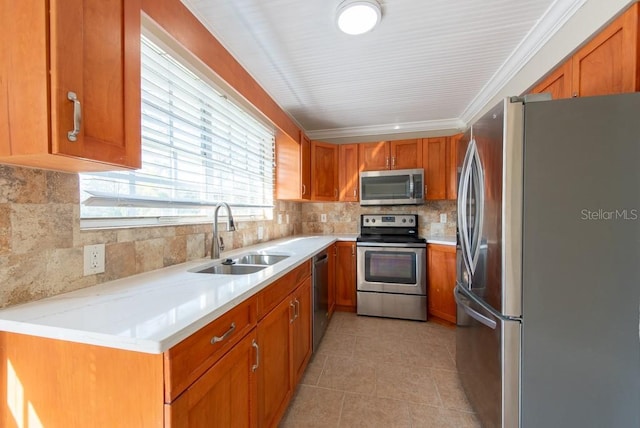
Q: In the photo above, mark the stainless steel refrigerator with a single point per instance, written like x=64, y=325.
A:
x=548, y=253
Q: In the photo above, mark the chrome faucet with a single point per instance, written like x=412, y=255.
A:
x=218, y=246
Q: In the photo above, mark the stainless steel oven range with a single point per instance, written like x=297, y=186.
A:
x=391, y=267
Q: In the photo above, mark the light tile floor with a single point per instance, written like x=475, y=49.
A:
x=377, y=372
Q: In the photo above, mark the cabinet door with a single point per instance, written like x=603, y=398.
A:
x=95, y=53
x=374, y=156
x=435, y=170
x=274, y=375
x=225, y=395
x=90, y=48
x=348, y=174
x=451, y=161
x=346, y=276
x=301, y=331
x=305, y=166
x=406, y=154
x=332, y=279
x=324, y=171
x=608, y=63
x=288, y=167
x=558, y=83
x=442, y=278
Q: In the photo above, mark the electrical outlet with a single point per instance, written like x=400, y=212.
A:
x=443, y=218
x=93, y=259
x=260, y=232
x=279, y=218
x=323, y=218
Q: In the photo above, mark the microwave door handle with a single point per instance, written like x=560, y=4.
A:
x=412, y=194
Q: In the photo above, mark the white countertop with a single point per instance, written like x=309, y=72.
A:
x=152, y=311
x=442, y=240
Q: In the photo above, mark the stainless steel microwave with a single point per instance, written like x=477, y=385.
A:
x=392, y=187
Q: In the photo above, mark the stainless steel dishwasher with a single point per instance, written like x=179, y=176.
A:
x=320, y=296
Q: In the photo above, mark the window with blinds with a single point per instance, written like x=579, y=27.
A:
x=198, y=149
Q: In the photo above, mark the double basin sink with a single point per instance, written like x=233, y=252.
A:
x=241, y=265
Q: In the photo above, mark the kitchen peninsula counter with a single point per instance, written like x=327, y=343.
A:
x=153, y=311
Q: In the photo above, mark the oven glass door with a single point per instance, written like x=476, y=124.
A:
x=391, y=269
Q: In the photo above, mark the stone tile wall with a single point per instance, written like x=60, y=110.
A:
x=344, y=217
x=41, y=244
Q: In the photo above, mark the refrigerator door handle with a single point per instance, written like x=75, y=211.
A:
x=463, y=190
x=477, y=174
x=472, y=313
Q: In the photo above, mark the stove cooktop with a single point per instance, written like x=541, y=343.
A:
x=389, y=228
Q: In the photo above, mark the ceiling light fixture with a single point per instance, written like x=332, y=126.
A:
x=358, y=16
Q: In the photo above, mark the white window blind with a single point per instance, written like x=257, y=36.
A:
x=198, y=148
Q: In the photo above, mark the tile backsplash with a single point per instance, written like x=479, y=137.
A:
x=41, y=243
x=344, y=217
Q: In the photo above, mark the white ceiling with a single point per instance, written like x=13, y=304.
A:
x=429, y=65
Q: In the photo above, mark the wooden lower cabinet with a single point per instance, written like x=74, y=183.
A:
x=301, y=331
x=441, y=274
x=274, y=374
x=345, y=276
x=225, y=396
x=234, y=372
x=284, y=340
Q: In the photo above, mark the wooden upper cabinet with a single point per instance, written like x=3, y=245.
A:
x=324, y=171
x=451, y=156
x=435, y=167
x=608, y=64
x=305, y=166
x=348, y=174
x=399, y=154
x=374, y=156
x=558, y=83
x=288, y=167
x=90, y=48
x=406, y=154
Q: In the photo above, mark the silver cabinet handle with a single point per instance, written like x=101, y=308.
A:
x=304, y=189
x=355, y=192
x=393, y=161
x=216, y=339
x=293, y=317
x=257, y=364
x=297, y=308
x=386, y=163
x=335, y=193
x=77, y=116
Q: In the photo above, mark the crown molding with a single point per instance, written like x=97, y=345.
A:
x=553, y=19
x=387, y=129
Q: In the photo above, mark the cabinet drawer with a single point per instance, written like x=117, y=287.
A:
x=189, y=359
x=276, y=292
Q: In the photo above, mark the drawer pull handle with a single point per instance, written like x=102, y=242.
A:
x=292, y=305
x=217, y=339
x=257, y=364
x=77, y=116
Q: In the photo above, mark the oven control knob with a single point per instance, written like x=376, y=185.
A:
x=366, y=220
x=404, y=220
x=373, y=220
x=410, y=220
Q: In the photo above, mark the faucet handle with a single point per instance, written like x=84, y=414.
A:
x=221, y=246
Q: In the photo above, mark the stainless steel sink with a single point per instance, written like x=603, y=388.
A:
x=242, y=265
x=230, y=269
x=260, y=259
